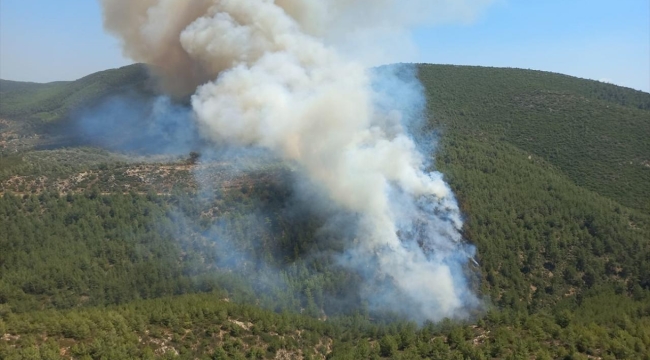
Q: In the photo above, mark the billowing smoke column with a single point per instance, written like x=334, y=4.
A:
x=287, y=75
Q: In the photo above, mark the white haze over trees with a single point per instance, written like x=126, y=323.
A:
x=291, y=76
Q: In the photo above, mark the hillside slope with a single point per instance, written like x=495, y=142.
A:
x=97, y=247
x=596, y=133
x=53, y=101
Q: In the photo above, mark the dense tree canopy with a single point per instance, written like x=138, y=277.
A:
x=112, y=256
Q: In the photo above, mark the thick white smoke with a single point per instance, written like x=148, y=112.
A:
x=281, y=75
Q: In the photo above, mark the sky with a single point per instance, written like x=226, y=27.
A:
x=606, y=40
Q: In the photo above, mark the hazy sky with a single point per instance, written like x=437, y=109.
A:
x=47, y=40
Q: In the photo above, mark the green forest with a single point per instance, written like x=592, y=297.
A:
x=116, y=256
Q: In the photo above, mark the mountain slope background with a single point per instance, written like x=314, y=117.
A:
x=551, y=172
x=54, y=101
x=596, y=133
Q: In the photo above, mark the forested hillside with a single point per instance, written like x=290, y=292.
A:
x=53, y=101
x=595, y=133
x=109, y=255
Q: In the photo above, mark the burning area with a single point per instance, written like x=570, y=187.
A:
x=293, y=78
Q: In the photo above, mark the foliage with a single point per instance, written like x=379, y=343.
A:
x=53, y=101
x=558, y=214
x=205, y=326
x=540, y=237
x=595, y=133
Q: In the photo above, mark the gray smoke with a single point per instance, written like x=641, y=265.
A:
x=136, y=125
x=291, y=76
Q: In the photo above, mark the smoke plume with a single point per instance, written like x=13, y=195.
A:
x=291, y=76
x=131, y=123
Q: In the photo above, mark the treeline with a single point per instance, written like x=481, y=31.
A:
x=541, y=238
x=595, y=133
x=62, y=251
x=207, y=327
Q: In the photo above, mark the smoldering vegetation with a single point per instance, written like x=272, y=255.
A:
x=279, y=244
x=269, y=86
x=288, y=232
x=274, y=237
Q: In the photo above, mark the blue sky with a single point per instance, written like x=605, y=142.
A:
x=45, y=40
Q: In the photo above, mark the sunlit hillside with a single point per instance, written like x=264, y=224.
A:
x=108, y=254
